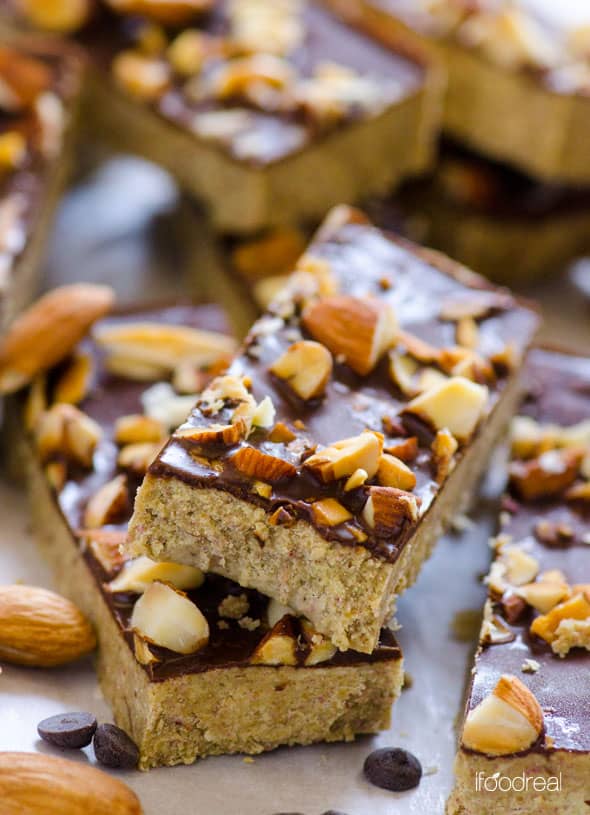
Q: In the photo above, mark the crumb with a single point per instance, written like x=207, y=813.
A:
x=223, y=624
x=248, y=623
x=432, y=770
x=299, y=424
x=408, y=681
x=530, y=666
x=505, y=518
x=233, y=606
x=248, y=760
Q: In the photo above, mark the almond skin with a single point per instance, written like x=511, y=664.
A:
x=33, y=783
x=41, y=629
x=49, y=330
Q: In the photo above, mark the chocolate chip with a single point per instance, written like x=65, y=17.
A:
x=392, y=768
x=114, y=748
x=68, y=730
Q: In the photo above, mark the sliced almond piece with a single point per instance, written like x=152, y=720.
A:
x=279, y=646
x=357, y=479
x=387, y=509
x=226, y=434
x=108, y=504
x=306, y=366
x=48, y=331
x=281, y=434
x=143, y=653
x=344, y=457
x=40, y=628
x=357, y=330
x=549, y=474
x=467, y=333
x=264, y=414
x=273, y=254
x=165, y=616
x=74, y=384
x=162, y=347
x=106, y=548
x=392, y=472
x=457, y=405
x=256, y=464
x=406, y=449
x=320, y=648
x=35, y=783
x=36, y=402
x=521, y=568
x=330, y=512
x=403, y=370
x=418, y=349
x=136, y=458
x=444, y=447
x=506, y=721
x=142, y=76
x=141, y=572
x=66, y=430
x=576, y=608
x=543, y=595
x=137, y=428
x=23, y=78
x=579, y=492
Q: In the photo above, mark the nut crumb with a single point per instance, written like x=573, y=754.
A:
x=408, y=680
x=222, y=624
x=432, y=770
x=248, y=623
x=233, y=606
x=530, y=666
x=248, y=760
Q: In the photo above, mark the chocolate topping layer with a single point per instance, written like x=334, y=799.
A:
x=230, y=644
x=558, y=388
x=276, y=133
x=364, y=262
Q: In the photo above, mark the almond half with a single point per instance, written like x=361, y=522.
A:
x=48, y=331
x=165, y=616
x=41, y=628
x=506, y=721
x=31, y=783
x=359, y=330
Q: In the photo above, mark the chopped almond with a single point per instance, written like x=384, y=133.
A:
x=358, y=330
x=344, y=457
x=330, y=512
x=108, y=504
x=256, y=464
x=392, y=472
x=306, y=366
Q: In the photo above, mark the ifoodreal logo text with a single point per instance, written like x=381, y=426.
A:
x=496, y=782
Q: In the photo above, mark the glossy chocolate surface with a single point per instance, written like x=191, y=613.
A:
x=364, y=262
x=276, y=135
x=230, y=645
x=558, y=392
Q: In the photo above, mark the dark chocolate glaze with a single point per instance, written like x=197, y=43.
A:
x=558, y=387
x=109, y=398
x=361, y=257
x=281, y=134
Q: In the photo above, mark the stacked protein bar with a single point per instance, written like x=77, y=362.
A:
x=275, y=529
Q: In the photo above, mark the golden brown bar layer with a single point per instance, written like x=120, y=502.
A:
x=525, y=744
x=514, y=69
x=192, y=664
x=282, y=104
x=38, y=111
x=350, y=429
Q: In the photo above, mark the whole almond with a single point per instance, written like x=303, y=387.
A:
x=40, y=628
x=33, y=783
x=49, y=330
